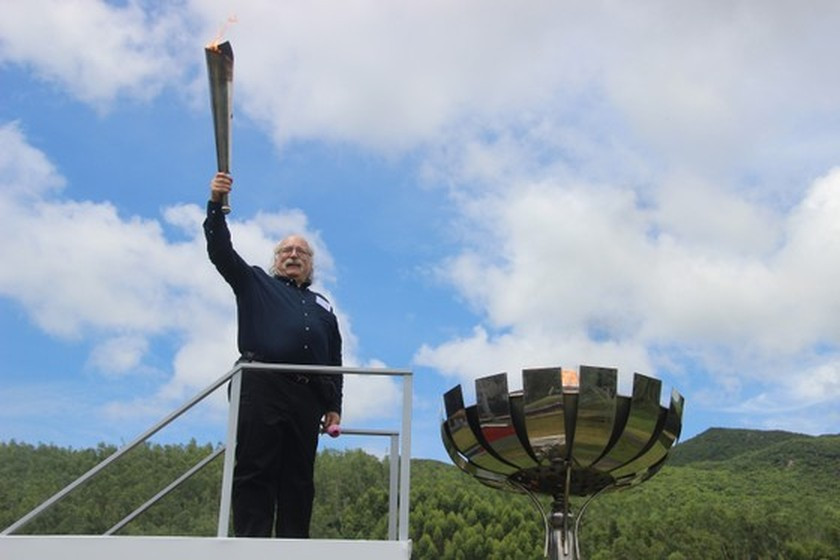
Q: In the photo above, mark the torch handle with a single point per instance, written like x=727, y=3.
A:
x=225, y=198
x=225, y=204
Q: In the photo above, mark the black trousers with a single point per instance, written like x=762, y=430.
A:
x=277, y=440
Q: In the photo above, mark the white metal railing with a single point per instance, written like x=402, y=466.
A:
x=399, y=486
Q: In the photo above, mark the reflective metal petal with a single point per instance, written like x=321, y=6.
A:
x=493, y=404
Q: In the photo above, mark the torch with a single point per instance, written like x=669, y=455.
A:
x=220, y=72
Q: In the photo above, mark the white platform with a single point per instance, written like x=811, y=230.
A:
x=184, y=548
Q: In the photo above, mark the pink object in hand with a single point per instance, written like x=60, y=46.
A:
x=334, y=430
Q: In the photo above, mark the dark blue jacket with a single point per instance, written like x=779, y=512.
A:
x=279, y=321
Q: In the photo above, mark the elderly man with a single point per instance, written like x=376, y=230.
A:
x=280, y=320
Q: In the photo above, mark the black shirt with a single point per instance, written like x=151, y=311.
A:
x=278, y=321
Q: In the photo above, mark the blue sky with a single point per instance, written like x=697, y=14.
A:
x=489, y=187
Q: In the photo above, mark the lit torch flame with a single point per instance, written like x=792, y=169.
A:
x=214, y=44
x=571, y=381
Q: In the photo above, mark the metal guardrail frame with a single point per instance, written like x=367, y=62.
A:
x=398, y=491
x=393, y=475
x=154, y=499
x=393, y=490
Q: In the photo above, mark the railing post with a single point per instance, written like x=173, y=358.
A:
x=405, y=457
x=393, y=464
x=230, y=454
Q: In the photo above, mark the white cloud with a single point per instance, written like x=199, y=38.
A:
x=370, y=397
x=569, y=275
x=118, y=355
x=684, y=87
x=710, y=218
x=28, y=173
x=601, y=82
x=723, y=87
x=698, y=87
x=96, y=50
x=481, y=354
x=392, y=77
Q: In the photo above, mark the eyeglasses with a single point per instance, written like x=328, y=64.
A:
x=290, y=249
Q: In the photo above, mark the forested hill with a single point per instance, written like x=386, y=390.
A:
x=723, y=494
x=720, y=444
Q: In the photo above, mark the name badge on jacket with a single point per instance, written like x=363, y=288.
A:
x=323, y=302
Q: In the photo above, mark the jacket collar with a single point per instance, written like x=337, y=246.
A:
x=291, y=282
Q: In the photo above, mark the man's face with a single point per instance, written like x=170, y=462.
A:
x=293, y=259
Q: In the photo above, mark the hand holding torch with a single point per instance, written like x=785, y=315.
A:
x=220, y=72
